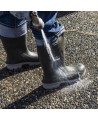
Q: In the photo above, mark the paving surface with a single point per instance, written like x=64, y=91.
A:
x=23, y=88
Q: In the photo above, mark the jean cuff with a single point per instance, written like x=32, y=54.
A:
x=13, y=32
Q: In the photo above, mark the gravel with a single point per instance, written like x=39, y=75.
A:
x=23, y=88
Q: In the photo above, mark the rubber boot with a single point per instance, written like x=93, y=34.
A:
x=18, y=53
x=55, y=73
x=58, y=49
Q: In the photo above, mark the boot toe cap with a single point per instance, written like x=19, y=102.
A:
x=77, y=69
x=81, y=68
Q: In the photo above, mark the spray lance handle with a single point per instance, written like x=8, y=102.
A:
x=37, y=22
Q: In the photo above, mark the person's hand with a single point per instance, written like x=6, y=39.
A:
x=37, y=22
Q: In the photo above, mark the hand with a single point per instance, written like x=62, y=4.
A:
x=37, y=22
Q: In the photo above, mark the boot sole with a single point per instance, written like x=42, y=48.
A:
x=58, y=84
x=20, y=65
x=66, y=82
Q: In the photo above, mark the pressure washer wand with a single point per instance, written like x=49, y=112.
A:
x=37, y=22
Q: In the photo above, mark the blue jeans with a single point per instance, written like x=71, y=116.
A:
x=53, y=29
x=12, y=27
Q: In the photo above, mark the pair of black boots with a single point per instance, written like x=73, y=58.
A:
x=18, y=53
x=55, y=73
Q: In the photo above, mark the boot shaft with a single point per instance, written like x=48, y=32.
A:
x=47, y=63
x=12, y=44
x=14, y=48
x=58, y=48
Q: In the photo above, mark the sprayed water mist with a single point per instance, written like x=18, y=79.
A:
x=47, y=45
x=60, y=70
x=55, y=62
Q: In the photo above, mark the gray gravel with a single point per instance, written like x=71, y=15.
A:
x=23, y=88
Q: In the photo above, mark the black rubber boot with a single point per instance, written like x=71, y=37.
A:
x=18, y=53
x=58, y=49
x=55, y=73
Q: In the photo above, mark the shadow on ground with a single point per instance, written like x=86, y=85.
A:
x=4, y=72
x=34, y=96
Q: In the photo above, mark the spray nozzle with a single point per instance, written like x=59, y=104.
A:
x=37, y=22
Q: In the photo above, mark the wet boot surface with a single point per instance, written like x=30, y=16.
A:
x=23, y=88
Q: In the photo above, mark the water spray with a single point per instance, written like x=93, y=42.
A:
x=55, y=62
x=38, y=23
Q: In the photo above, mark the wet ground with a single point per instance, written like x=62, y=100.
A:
x=23, y=88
